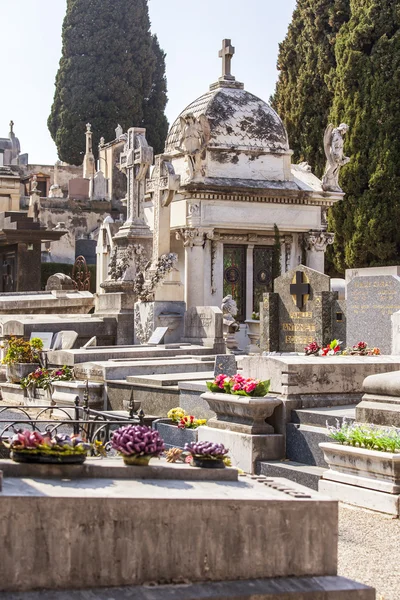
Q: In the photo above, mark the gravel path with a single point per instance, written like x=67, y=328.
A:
x=369, y=550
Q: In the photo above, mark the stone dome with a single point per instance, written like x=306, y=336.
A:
x=237, y=119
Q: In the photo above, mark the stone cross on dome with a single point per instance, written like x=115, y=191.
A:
x=11, y=126
x=226, y=53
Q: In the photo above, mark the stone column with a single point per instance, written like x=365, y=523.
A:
x=316, y=244
x=194, y=240
x=217, y=271
x=249, y=281
x=89, y=163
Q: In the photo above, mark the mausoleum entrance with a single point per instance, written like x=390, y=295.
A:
x=247, y=276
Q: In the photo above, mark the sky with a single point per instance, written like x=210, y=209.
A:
x=190, y=33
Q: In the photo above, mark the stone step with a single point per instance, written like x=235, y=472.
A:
x=170, y=379
x=302, y=444
x=306, y=475
x=109, y=370
x=321, y=416
x=93, y=354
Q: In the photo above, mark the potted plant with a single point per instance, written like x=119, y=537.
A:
x=137, y=444
x=243, y=404
x=208, y=455
x=22, y=357
x=43, y=379
x=364, y=455
x=32, y=446
x=179, y=428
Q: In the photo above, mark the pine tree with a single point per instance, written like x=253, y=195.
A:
x=306, y=61
x=112, y=71
x=367, y=84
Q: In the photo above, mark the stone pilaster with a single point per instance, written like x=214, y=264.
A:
x=194, y=241
x=316, y=243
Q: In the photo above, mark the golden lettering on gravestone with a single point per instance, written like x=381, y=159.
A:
x=301, y=315
x=298, y=339
x=298, y=327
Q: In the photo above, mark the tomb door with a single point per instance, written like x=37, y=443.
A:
x=8, y=272
x=262, y=274
x=235, y=277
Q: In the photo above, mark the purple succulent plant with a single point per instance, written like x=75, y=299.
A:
x=137, y=440
x=207, y=449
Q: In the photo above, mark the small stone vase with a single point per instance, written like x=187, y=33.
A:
x=17, y=371
x=134, y=459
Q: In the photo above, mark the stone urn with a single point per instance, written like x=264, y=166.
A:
x=17, y=371
x=253, y=333
x=243, y=414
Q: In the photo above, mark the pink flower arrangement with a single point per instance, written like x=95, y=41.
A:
x=239, y=385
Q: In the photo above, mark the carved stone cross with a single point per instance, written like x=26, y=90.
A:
x=226, y=54
x=135, y=161
x=163, y=185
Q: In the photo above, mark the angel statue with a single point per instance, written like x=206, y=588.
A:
x=195, y=134
x=333, y=146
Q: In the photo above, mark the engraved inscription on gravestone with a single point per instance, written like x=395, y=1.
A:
x=371, y=301
x=303, y=308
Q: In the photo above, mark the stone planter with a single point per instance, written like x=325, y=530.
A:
x=363, y=468
x=17, y=371
x=173, y=436
x=243, y=414
x=254, y=336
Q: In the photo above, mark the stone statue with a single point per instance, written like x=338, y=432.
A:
x=229, y=310
x=333, y=146
x=195, y=134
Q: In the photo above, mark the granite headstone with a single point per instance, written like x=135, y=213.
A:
x=300, y=310
x=225, y=364
x=158, y=335
x=371, y=302
x=204, y=326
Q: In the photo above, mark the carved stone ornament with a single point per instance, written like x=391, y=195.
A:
x=333, y=146
x=121, y=259
x=147, y=280
x=195, y=236
x=143, y=331
x=195, y=135
x=317, y=241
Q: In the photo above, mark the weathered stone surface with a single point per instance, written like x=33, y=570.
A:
x=204, y=326
x=150, y=316
x=293, y=588
x=304, y=540
x=371, y=301
x=225, y=364
x=173, y=436
x=243, y=414
x=65, y=340
x=245, y=449
x=364, y=498
x=363, y=468
x=381, y=402
x=59, y=281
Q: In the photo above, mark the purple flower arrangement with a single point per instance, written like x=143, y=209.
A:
x=137, y=444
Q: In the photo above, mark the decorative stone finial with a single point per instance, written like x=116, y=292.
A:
x=88, y=127
x=118, y=131
x=11, y=126
x=226, y=53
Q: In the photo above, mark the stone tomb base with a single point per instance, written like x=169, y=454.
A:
x=245, y=449
x=105, y=532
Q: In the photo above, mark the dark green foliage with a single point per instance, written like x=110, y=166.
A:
x=306, y=61
x=367, y=85
x=276, y=254
x=48, y=269
x=112, y=71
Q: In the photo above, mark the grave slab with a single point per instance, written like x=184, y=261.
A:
x=305, y=526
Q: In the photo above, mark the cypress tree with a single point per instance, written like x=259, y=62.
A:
x=367, y=84
x=306, y=61
x=111, y=71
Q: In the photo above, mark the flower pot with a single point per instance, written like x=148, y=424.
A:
x=27, y=456
x=17, y=371
x=361, y=467
x=243, y=414
x=208, y=463
x=134, y=459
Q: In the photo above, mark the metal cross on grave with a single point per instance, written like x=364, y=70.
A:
x=163, y=185
x=300, y=289
x=135, y=161
x=226, y=54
